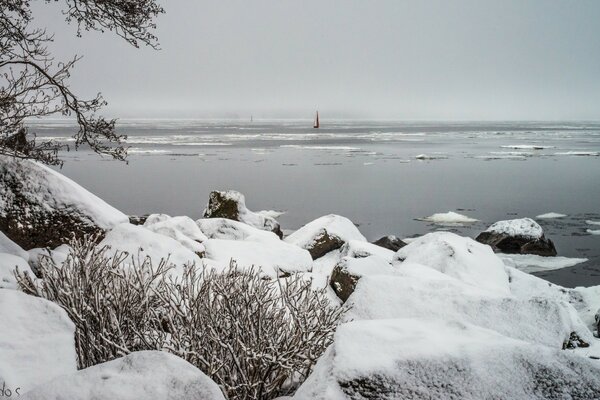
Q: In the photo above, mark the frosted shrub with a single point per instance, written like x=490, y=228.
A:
x=257, y=338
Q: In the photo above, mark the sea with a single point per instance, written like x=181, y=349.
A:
x=386, y=176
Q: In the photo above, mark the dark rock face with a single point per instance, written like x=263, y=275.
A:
x=138, y=220
x=323, y=244
x=343, y=282
x=504, y=243
x=220, y=205
x=390, y=242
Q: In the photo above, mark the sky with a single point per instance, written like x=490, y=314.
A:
x=402, y=60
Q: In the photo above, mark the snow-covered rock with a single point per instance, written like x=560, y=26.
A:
x=390, y=242
x=183, y=229
x=143, y=375
x=36, y=341
x=414, y=292
x=517, y=236
x=8, y=264
x=39, y=207
x=360, y=249
x=325, y=234
x=223, y=228
x=435, y=359
x=232, y=205
x=10, y=247
x=141, y=242
x=459, y=257
x=349, y=270
x=270, y=257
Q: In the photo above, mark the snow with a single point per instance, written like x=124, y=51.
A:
x=450, y=217
x=10, y=247
x=459, y=257
x=579, y=153
x=8, y=263
x=53, y=191
x=590, y=222
x=270, y=257
x=429, y=157
x=141, y=242
x=525, y=227
x=148, y=375
x=36, y=340
x=534, y=263
x=182, y=229
x=367, y=266
x=335, y=225
x=359, y=249
x=593, y=231
x=223, y=228
x=551, y=215
x=413, y=359
x=527, y=147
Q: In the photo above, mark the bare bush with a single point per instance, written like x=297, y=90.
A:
x=257, y=338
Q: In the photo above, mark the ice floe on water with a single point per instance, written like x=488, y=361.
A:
x=590, y=222
x=136, y=150
x=431, y=157
x=532, y=263
x=527, y=146
x=578, y=153
x=593, y=231
x=551, y=215
x=449, y=218
x=306, y=147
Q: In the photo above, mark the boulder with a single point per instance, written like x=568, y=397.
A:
x=227, y=229
x=232, y=205
x=390, y=242
x=414, y=359
x=36, y=341
x=360, y=249
x=9, y=247
x=348, y=271
x=39, y=207
x=517, y=236
x=183, y=229
x=148, y=375
x=325, y=234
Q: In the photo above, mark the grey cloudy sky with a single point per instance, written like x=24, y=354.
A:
x=444, y=60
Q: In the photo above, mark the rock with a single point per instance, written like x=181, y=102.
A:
x=390, y=242
x=36, y=341
x=272, y=258
x=183, y=229
x=517, y=236
x=9, y=247
x=414, y=359
x=349, y=270
x=232, y=205
x=141, y=242
x=325, y=234
x=223, y=228
x=458, y=257
x=39, y=207
x=148, y=375
x=8, y=264
x=138, y=219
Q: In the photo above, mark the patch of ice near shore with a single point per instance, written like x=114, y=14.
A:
x=451, y=218
x=36, y=341
x=435, y=359
x=525, y=227
x=578, y=153
x=590, y=222
x=532, y=263
x=141, y=242
x=269, y=257
x=593, y=231
x=430, y=157
x=147, y=375
x=8, y=264
x=551, y=215
x=462, y=258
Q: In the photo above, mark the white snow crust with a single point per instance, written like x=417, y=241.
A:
x=525, y=227
x=8, y=264
x=182, y=229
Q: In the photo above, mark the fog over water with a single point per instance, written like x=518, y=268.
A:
x=434, y=60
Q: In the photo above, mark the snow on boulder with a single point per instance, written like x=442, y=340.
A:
x=517, y=236
x=36, y=341
x=223, y=228
x=390, y=242
x=273, y=258
x=232, y=205
x=414, y=292
x=147, y=375
x=360, y=249
x=414, y=359
x=349, y=270
x=10, y=247
x=325, y=234
x=39, y=207
x=142, y=242
x=183, y=229
x=8, y=264
x=459, y=257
